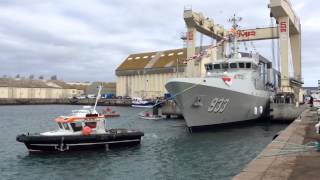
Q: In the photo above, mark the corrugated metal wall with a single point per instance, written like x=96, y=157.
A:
x=146, y=86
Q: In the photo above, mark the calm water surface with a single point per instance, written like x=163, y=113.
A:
x=167, y=150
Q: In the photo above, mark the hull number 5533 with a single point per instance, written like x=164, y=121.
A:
x=218, y=105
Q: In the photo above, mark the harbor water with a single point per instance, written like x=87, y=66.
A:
x=167, y=151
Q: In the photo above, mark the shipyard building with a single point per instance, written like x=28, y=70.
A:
x=16, y=88
x=107, y=88
x=145, y=74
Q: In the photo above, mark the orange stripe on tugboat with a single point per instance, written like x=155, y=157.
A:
x=72, y=119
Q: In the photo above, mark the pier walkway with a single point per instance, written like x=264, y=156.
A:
x=288, y=156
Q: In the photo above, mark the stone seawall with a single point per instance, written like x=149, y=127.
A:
x=102, y=102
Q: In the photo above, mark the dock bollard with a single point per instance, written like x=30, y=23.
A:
x=317, y=126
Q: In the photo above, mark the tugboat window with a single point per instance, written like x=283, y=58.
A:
x=77, y=126
x=241, y=65
x=248, y=65
x=216, y=66
x=91, y=124
x=225, y=66
x=65, y=125
x=233, y=65
x=208, y=67
x=60, y=126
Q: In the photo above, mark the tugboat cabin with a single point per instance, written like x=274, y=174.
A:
x=91, y=124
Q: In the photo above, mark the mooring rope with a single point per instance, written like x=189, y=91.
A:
x=181, y=92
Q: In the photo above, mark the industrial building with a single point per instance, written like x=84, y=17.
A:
x=144, y=74
x=107, y=88
x=11, y=88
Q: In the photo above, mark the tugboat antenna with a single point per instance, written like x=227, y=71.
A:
x=97, y=98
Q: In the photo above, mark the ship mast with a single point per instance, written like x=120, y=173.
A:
x=97, y=98
x=234, y=35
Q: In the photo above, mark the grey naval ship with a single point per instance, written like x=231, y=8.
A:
x=234, y=89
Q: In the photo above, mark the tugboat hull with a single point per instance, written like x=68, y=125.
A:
x=111, y=139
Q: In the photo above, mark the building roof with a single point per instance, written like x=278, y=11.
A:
x=161, y=62
x=23, y=83
x=160, y=59
x=79, y=87
x=34, y=83
x=104, y=84
x=107, y=87
x=60, y=84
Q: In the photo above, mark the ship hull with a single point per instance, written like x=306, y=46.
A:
x=203, y=105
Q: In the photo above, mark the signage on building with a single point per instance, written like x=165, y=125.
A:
x=283, y=27
x=190, y=35
x=247, y=34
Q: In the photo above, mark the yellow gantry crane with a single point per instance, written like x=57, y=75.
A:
x=288, y=31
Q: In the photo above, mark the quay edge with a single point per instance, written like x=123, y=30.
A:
x=102, y=102
x=272, y=164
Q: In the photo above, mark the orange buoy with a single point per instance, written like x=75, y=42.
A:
x=86, y=130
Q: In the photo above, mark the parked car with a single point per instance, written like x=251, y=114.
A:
x=91, y=96
x=167, y=95
x=126, y=97
x=108, y=96
x=81, y=97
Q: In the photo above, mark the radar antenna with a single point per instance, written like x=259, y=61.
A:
x=234, y=20
x=233, y=34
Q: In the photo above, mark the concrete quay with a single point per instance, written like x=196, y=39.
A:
x=286, y=113
x=288, y=157
x=101, y=102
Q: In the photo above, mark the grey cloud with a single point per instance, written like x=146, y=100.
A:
x=92, y=37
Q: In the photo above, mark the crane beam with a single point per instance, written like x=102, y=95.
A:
x=207, y=27
x=203, y=25
x=258, y=34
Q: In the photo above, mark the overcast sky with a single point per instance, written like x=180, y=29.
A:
x=85, y=40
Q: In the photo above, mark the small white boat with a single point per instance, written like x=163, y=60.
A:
x=150, y=116
x=142, y=103
x=109, y=113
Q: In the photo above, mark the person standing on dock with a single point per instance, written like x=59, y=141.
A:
x=156, y=107
x=311, y=101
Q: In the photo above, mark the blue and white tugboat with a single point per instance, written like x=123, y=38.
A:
x=83, y=130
